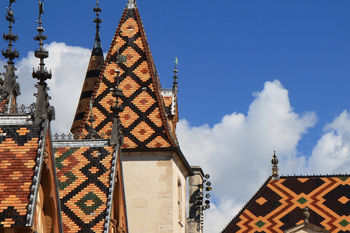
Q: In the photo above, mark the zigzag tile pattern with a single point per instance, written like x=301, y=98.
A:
x=279, y=205
x=143, y=119
x=18, y=152
x=84, y=182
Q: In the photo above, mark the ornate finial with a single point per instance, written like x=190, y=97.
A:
x=42, y=74
x=274, y=162
x=10, y=53
x=92, y=132
x=97, y=20
x=306, y=215
x=43, y=110
x=131, y=4
x=175, y=86
x=116, y=137
x=10, y=88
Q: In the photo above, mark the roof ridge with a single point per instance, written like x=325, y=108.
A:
x=248, y=203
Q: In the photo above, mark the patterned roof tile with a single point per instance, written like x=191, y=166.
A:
x=18, y=153
x=143, y=104
x=279, y=204
x=84, y=176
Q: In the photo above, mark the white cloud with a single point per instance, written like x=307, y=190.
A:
x=332, y=152
x=237, y=151
x=68, y=65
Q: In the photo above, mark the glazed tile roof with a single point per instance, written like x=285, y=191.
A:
x=18, y=163
x=85, y=173
x=93, y=71
x=144, y=118
x=279, y=204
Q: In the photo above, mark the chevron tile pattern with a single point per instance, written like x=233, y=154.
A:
x=279, y=205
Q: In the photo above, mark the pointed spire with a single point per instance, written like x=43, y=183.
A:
x=43, y=110
x=274, y=162
x=10, y=88
x=97, y=20
x=175, y=86
x=10, y=53
x=91, y=77
x=131, y=4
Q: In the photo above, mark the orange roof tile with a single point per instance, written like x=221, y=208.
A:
x=85, y=174
x=280, y=203
x=144, y=120
x=18, y=159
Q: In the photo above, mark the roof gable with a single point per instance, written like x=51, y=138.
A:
x=143, y=119
x=279, y=204
x=19, y=153
x=86, y=173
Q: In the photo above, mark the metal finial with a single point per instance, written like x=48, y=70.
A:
x=42, y=74
x=175, y=77
x=274, y=162
x=10, y=53
x=43, y=110
x=306, y=215
x=131, y=4
x=10, y=88
x=97, y=20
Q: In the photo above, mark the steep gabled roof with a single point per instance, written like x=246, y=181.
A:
x=144, y=118
x=279, y=204
x=19, y=151
x=86, y=171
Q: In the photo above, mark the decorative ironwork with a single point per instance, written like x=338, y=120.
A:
x=22, y=109
x=62, y=137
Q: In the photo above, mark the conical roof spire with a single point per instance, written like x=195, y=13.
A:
x=9, y=88
x=43, y=110
x=93, y=71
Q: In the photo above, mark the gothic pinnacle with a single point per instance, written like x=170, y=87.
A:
x=43, y=110
x=42, y=74
x=10, y=53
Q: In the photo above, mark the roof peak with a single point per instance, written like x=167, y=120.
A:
x=97, y=20
x=131, y=4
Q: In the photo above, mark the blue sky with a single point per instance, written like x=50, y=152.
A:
x=227, y=49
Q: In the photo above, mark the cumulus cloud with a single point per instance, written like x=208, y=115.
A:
x=332, y=152
x=68, y=65
x=237, y=151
